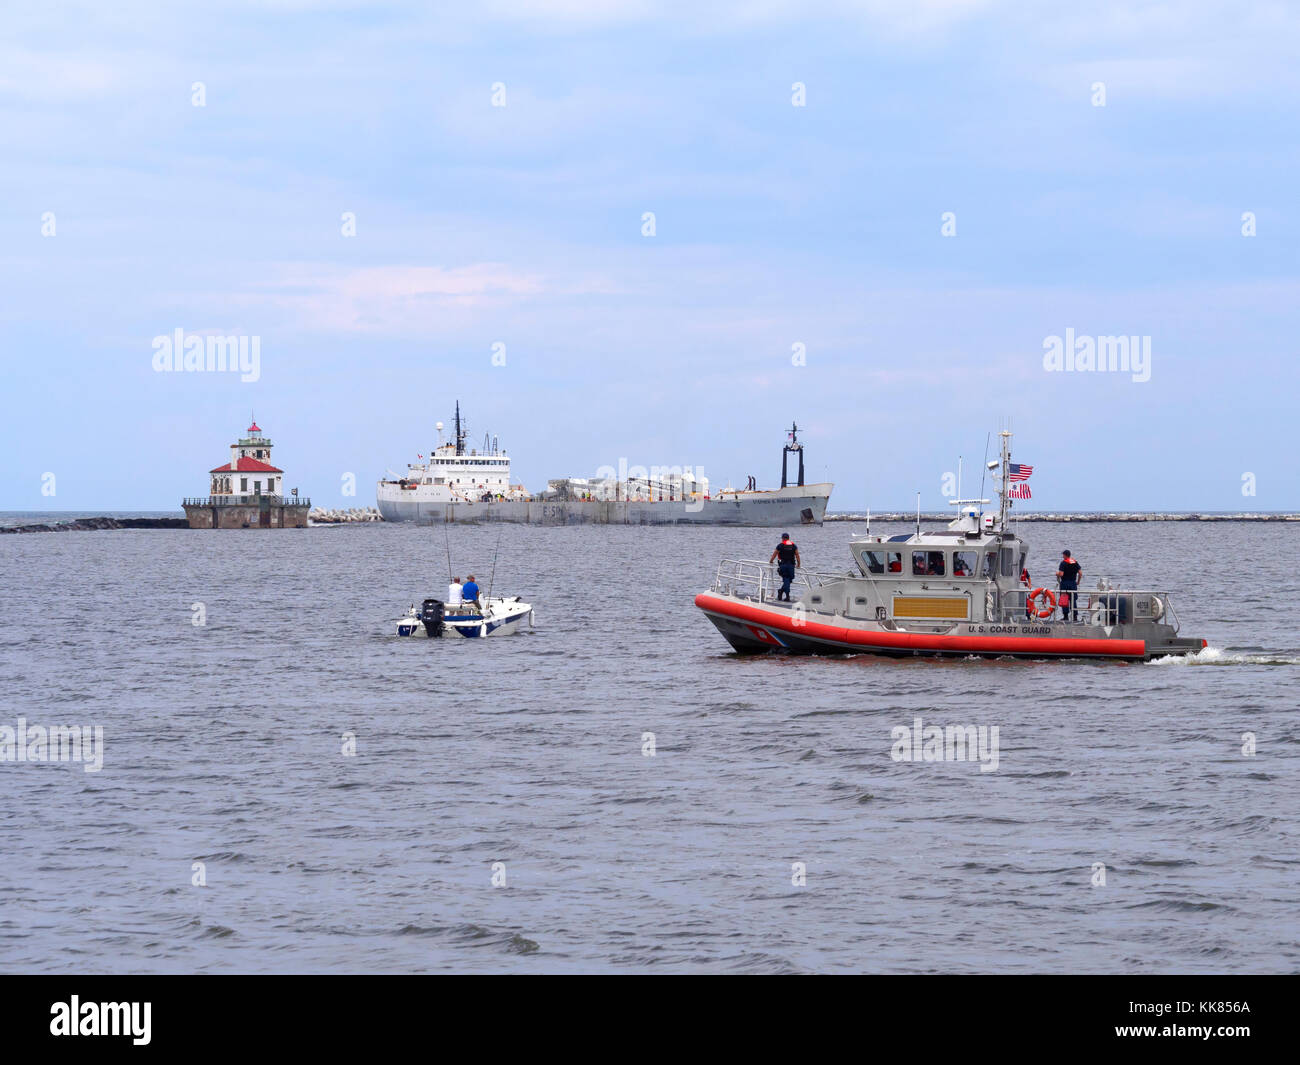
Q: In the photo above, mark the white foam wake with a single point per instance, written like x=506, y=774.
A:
x=1216, y=656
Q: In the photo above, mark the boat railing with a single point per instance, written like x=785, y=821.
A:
x=246, y=501
x=748, y=578
x=1099, y=606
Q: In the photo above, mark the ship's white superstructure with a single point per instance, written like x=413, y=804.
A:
x=454, y=473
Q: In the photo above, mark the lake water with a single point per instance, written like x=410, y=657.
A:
x=223, y=746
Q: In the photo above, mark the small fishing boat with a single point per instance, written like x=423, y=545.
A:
x=954, y=592
x=499, y=616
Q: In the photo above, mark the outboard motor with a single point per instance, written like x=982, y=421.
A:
x=431, y=615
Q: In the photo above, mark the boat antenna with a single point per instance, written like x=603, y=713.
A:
x=1006, y=472
x=918, y=513
x=987, y=438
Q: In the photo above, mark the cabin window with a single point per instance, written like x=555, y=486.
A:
x=875, y=561
x=1009, y=562
x=816, y=598
x=860, y=601
x=964, y=563
x=927, y=564
x=895, y=562
x=991, y=564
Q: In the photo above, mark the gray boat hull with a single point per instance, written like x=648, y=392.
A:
x=804, y=505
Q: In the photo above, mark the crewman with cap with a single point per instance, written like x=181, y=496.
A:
x=788, y=554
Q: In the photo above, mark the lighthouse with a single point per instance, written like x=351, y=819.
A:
x=248, y=491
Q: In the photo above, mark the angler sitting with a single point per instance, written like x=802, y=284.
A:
x=469, y=594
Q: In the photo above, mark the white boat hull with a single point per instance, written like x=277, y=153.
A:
x=499, y=617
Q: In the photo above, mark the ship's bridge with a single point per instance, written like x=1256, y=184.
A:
x=971, y=548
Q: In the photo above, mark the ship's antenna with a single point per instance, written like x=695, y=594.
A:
x=918, y=513
x=1006, y=473
x=987, y=437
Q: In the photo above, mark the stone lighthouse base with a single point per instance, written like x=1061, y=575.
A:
x=263, y=513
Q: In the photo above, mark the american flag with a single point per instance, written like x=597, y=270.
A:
x=1020, y=491
x=1017, y=472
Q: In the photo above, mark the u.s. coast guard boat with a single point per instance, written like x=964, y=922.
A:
x=953, y=592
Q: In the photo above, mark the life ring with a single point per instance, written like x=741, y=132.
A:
x=1050, y=602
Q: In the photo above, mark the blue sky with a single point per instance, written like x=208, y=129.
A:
x=776, y=225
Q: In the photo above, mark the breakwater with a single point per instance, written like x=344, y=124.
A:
x=322, y=516
x=90, y=524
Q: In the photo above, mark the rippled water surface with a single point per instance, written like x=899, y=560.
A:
x=224, y=747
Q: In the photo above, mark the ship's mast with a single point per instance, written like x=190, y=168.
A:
x=460, y=433
x=1003, y=486
x=795, y=446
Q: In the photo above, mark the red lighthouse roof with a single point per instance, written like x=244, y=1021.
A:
x=246, y=465
x=253, y=428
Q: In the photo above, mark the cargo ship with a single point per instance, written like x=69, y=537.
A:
x=458, y=483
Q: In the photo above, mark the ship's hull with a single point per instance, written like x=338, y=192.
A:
x=802, y=505
x=753, y=628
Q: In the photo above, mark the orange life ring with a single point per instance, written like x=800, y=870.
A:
x=1050, y=605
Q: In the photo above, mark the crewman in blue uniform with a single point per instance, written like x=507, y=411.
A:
x=788, y=554
x=1067, y=575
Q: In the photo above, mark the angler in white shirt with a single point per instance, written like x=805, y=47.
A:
x=455, y=596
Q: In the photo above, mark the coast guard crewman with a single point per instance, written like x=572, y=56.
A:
x=789, y=555
x=1067, y=576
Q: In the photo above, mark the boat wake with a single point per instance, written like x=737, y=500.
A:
x=1216, y=656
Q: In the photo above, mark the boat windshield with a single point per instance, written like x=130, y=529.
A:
x=927, y=564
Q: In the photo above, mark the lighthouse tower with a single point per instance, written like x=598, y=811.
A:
x=249, y=472
x=248, y=491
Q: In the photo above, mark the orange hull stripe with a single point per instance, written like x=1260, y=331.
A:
x=922, y=641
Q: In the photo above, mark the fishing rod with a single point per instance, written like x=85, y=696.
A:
x=493, y=576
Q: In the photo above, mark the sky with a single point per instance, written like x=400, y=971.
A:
x=868, y=217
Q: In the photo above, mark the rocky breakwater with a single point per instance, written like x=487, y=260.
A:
x=88, y=524
x=322, y=516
